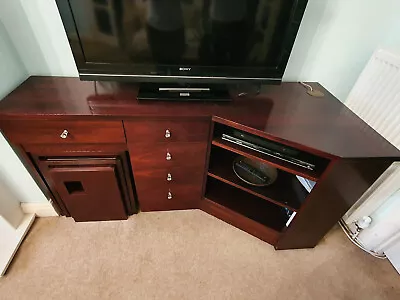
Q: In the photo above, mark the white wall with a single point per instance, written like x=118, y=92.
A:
x=11, y=213
x=336, y=39
x=12, y=71
x=37, y=32
x=16, y=182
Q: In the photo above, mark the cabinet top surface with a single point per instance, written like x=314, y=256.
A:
x=285, y=112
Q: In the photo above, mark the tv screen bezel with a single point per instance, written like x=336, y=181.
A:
x=191, y=73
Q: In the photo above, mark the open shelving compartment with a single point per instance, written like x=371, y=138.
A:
x=266, y=208
x=286, y=191
x=248, y=205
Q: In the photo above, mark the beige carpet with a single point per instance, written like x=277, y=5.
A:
x=186, y=255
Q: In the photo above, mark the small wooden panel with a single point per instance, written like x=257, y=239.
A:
x=89, y=193
x=75, y=149
x=49, y=132
x=155, y=156
x=156, y=131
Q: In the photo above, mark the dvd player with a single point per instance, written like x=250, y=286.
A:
x=292, y=152
x=269, y=152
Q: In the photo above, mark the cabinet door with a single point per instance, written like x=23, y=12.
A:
x=89, y=193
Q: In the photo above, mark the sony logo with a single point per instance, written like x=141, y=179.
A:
x=184, y=69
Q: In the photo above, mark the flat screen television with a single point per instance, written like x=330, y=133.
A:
x=190, y=41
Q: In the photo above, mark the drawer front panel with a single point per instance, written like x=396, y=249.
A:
x=169, y=197
x=155, y=131
x=166, y=189
x=167, y=155
x=170, y=176
x=64, y=132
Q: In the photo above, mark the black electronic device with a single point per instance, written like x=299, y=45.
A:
x=274, y=153
x=196, y=42
x=252, y=171
x=265, y=143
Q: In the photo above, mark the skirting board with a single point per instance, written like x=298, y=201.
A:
x=10, y=245
x=39, y=209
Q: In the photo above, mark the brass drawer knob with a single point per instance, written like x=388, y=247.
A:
x=169, y=196
x=169, y=177
x=168, y=157
x=64, y=134
x=167, y=134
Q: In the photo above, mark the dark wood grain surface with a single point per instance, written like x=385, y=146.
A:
x=154, y=156
x=89, y=188
x=105, y=118
x=75, y=149
x=340, y=187
x=285, y=112
x=78, y=132
x=100, y=199
x=259, y=230
x=153, y=188
x=155, y=130
x=246, y=204
x=97, y=173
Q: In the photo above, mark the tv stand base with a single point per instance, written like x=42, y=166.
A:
x=184, y=92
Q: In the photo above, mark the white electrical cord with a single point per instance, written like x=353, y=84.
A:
x=355, y=242
x=311, y=91
x=306, y=86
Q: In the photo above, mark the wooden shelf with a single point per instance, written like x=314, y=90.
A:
x=282, y=165
x=247, y=205
x=286, y=191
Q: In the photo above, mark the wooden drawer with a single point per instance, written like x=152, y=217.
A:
x=169, y=197
x=155, y=156
x=150, y=131
x=49, y=132
x=169, y=176
x=182, y=191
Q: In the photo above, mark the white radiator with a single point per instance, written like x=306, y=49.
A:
x=375, y=97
